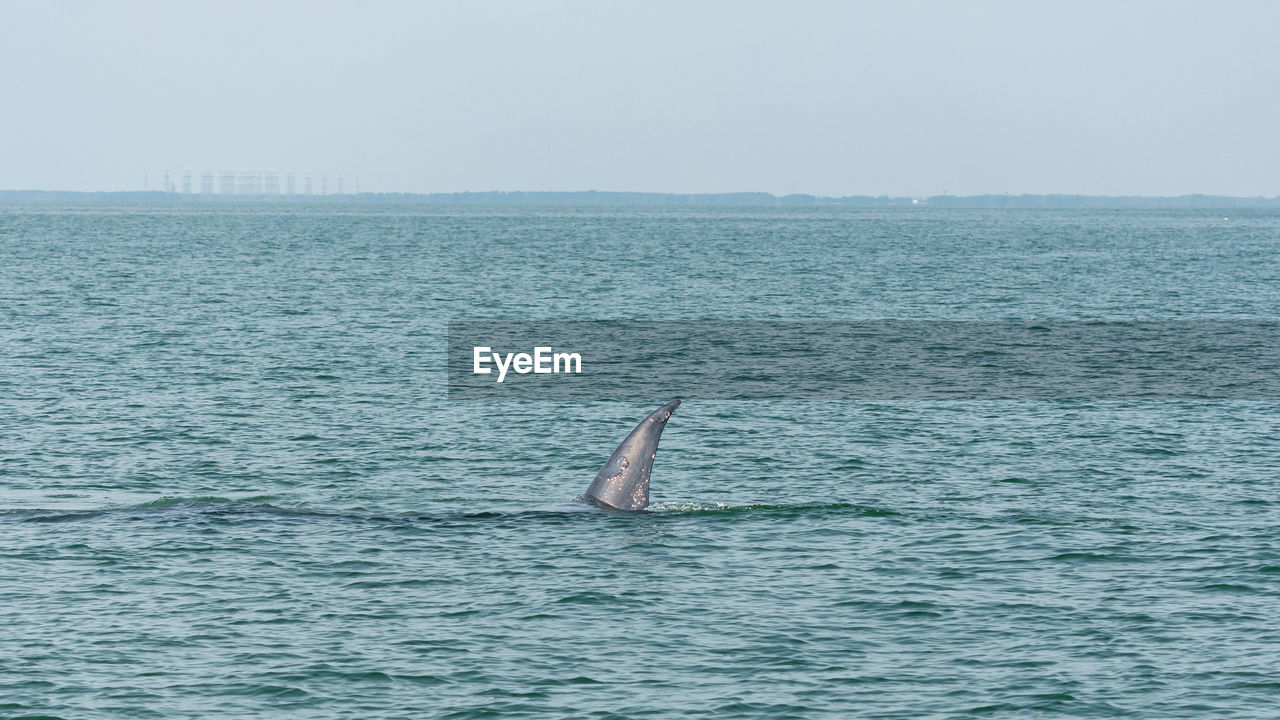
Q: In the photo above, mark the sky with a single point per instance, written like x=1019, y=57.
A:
x=829, y=98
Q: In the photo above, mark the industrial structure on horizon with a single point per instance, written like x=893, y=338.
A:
x=252, y=182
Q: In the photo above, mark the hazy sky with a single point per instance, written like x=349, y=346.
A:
x=832, y=98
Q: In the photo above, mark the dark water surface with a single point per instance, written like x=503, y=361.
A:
x=233, y=486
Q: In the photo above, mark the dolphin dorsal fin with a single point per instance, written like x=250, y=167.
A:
x=623, y=482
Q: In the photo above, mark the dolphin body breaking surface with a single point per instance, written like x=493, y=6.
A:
x=623, y=482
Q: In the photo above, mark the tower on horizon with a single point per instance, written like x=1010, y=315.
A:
x=248, y=182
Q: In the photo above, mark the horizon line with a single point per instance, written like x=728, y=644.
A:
x=496, y=194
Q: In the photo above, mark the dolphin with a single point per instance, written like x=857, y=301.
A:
x=623, y=482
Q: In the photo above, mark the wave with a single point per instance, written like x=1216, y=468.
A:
x=214, y=506
x=678, y=507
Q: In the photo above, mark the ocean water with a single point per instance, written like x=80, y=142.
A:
x=232, y=483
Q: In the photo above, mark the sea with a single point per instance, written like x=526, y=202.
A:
x=234, y=483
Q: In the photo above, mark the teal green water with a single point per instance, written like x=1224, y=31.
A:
x=232, y=485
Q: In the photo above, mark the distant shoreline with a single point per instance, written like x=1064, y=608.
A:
x=744, y=199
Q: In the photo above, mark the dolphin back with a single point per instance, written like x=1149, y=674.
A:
x=623, y=482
